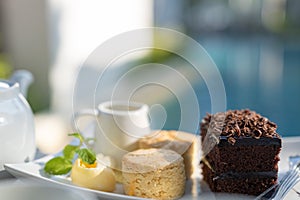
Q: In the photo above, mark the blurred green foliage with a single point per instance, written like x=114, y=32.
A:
x=5, y=67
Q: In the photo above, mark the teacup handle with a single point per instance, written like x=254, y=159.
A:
x=81, y=114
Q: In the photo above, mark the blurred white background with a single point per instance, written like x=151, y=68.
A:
x=52, y=38
x=255, y=44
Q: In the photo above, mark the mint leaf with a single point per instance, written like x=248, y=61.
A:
x=58, y=166
x=77, y=135
x=69, y=152
x=63, y=164
x=86, y=155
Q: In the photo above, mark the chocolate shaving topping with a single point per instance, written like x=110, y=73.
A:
x=240, y=123
x=231, y=140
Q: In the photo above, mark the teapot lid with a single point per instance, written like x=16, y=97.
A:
x=8, y=89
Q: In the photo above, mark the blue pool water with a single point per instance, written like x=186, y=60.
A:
x=262, y=74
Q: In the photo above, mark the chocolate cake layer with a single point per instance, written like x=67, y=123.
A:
x=249, y=141
x=244, y=158
x=236, y=175
x=253, y=183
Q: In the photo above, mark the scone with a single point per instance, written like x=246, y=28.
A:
x=153, y=173
x=185, y=144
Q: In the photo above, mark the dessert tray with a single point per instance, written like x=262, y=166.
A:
x=194, y=188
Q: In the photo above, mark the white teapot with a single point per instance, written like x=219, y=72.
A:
x=17, y=137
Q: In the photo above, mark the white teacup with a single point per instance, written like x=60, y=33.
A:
x=119, y=126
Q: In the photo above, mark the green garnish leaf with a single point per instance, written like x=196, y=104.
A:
x=63, y=164
x=77, y=135
x=69, y=151
x=58, y=166
x=86, y=155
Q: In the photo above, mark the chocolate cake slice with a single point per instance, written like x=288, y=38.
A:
x=240, y=152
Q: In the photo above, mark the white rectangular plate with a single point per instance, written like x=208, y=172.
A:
x=195, y=187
